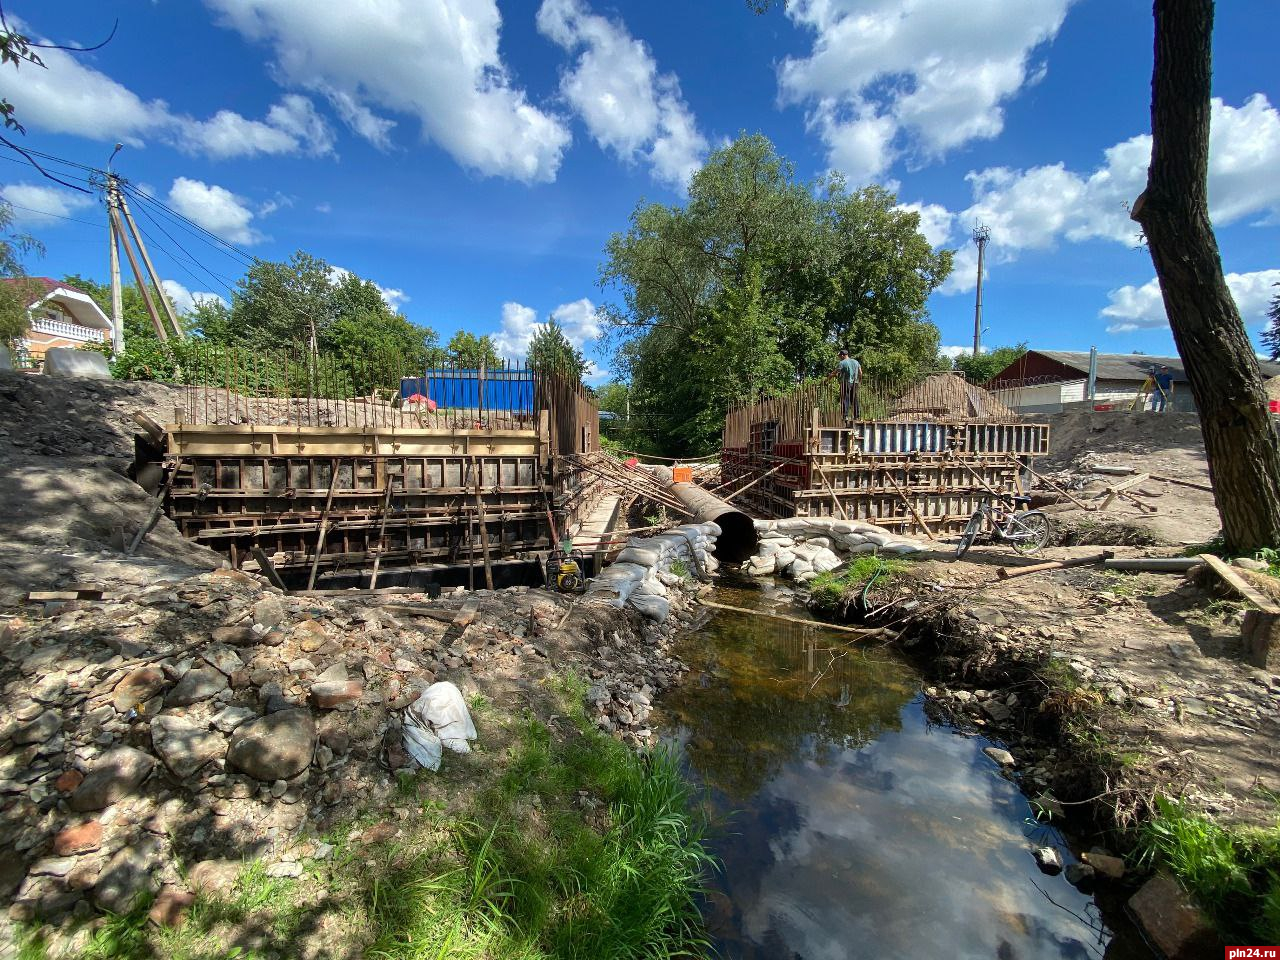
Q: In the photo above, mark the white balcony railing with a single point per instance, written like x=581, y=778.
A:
x=70, y=331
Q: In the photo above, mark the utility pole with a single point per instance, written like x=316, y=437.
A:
x=981, y=234
x=117, y=301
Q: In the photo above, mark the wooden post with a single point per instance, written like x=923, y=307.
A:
x=1006, y=573
x=324, y=525
x=161, y=332
x=831, y=490
x=382, y=533
x=910, y=506
x=156, y=507
x=268, y=568
x=484, y=530
x=151, y=270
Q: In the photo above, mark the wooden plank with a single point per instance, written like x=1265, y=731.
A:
x=405, y=610
x=910, y=506
x=1183, y=483
x=1154, y=564
x=1239, y=584
x=63, y=596
x=1115, y=490
x=841, y=628
x=484, y=531
x=324, y=522
x=382, y=536
x=836, y=500
x=1008, y=573
x=268, y=568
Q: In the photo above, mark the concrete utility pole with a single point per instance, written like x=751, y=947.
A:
x=117, y=301
x=981, y=234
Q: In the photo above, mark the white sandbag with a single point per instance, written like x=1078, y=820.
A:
x=879, y=539
x=710, y=564
x=821, y=543
x=443, y=707
x=621, y=572
x=764, y=526
x=710, y=529
x=805, y=551
x=783, y=559
x=848, y=540
x=650, y=588
x=659, y=544
x=761, y=566
x=768, y=548
x=799, y=568
x=655, y=608
x=842, y=526
x=776, y=535
x=867, y=547
x=639, y=556
x=791, y=524
x=806, y=577
x=902, y=547
x=422, y=744
x=667, y=578
x=824, y=561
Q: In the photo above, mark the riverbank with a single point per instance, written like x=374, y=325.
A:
x=137, y=825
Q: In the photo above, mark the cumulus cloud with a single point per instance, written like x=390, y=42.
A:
x=578, y=319
x=393, y=297
x=614, y=86
x=887, y=78
x=936, y=221
x=1135, y=308
x=436, y=60
x=185, y=300
x=72, y=97
x=41, y=205
x=1039, y=207
x=956, y=351
x=216, y=209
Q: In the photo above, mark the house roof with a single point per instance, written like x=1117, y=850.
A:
x=1117, y=366
x=82, y=307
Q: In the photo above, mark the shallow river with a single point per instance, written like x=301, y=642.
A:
x=847, y=823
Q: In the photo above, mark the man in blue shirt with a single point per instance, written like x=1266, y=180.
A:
x=849, y=371
x=1163, y=393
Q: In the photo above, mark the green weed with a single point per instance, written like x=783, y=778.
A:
x=1232, y=872
x=837, y=590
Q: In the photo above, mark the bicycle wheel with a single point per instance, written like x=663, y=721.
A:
x=1028, y=532
x=970, y=534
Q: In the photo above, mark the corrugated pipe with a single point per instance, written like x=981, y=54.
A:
x=737, y=530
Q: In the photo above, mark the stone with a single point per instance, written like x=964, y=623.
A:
x=223, y=659
x=68, y=780
x=214, y=876
x=1248, y=563
x=275, y=747
x=337, y=671
x=82, y=839
x=1048, y=807
x=1047, y=860
x=114, y=776
x=170, y=908
x=40, y=729
x=74, y=363
x=285, y=869
x=996, y=710
x=310, y=635
x=137, y=687
x=1079, y=875
x=185, y=746
x=239, y=635
x=1003, y=757
x=126, y=876
x=196, y=685
x=336, y=693
x=302, y=665
x=231, y=717
x=269, y=611
x=1171, y=921
x=1108, y=866
x=989, y=615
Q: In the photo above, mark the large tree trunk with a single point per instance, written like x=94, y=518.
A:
x=1239, y=436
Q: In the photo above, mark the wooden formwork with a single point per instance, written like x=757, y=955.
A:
x=921, y=476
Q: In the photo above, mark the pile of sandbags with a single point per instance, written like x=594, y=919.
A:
x=642, y=573
x=803, y=547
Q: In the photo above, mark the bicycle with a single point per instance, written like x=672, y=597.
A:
x=1027, y=531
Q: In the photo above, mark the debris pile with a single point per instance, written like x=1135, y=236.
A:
x=803, y=547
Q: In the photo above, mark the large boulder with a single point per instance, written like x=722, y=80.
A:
x=275, y=747
x=70, y=362
x=115, y=776
x=185, y=746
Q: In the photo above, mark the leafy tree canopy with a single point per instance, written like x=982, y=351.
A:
x=468, y=350
x=984, y=366
x=754, y=284
x=1271, y=335
x=14, y=296
x=550, y=349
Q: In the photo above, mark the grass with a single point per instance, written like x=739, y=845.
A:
x=837, y=590
x=562, y=844
x=1232, y=872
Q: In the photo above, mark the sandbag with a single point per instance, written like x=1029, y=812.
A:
x=443, y=707
x=650, y=588
x=422, y=744
x=655, y=608
x=640, y=556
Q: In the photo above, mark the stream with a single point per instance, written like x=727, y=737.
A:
x=850, y=825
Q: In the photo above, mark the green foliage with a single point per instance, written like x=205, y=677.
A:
x=468, y=350
x=836, y=590
x=14, y=296
x=1271, y=557
x=755, y=282
x=1271, y=335
x=550, y=349
x=984, y=366
x=1232, y=872
x=137, y=322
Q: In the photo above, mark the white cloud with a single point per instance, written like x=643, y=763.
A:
x=72, y=97
x=1036, y=208
x=936, y=220
x=916, y=77
x=952, y=353
x=216, y=209
x=436, y=60
x=579, y=320
x=324, y=207
x=392, y=296
x=1141, y=307
x=42, y=205
x=185, y=300
x=614, y=86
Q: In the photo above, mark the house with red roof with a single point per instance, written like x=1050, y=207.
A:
x=61, y=315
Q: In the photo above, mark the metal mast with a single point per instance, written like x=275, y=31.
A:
x=981, y=234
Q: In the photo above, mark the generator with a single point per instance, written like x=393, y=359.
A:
x=566, y=571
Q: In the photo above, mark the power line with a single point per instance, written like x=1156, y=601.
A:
x=56, y=216
x=133, y=191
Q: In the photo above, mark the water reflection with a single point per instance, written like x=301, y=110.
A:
x=852, y=827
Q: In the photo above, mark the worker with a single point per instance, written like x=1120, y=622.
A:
x=1162, y=396
x=849, y=371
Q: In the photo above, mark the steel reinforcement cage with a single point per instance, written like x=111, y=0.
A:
x=376, y=456
x=919, y=456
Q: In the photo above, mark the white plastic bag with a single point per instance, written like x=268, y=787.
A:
x=442, y=706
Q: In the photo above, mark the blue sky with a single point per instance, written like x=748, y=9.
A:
x=473, y=157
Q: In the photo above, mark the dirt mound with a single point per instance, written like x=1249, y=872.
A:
x=947, y=396
x=1273, y=388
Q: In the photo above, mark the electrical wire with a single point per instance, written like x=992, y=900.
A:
x=56, y=216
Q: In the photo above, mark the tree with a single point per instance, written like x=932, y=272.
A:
x=753, y=285
x=468, y=350
x=283, y=304
x=1271, y=335
x=1240, y=439
x=550, y=349
x=137, y=322
x=15, y=292
x=984, y=366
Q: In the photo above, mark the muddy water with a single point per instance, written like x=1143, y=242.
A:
x=848, y=825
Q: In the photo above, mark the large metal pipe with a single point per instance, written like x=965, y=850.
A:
x=737, y=530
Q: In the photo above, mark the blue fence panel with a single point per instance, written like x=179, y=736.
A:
x=503, y=390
